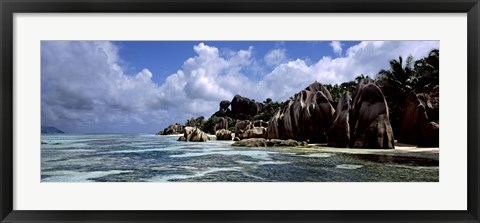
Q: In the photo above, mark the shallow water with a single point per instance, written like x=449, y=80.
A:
x=151, y=158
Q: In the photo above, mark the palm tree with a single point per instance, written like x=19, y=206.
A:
x=427, y=68
x=396, y=83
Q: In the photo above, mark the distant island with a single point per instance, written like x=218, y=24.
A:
x=51, y=130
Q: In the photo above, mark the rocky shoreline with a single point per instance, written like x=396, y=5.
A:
x=311, y=117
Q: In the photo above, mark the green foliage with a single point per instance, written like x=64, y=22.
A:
x=231, y=128
x=268, y=111
x=209, y=125
x=403, y=77
x=337, y=90
x=195, y=122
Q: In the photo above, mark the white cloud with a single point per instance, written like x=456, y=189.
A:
x=275, y=57
x=84, y=86
x=337, y=47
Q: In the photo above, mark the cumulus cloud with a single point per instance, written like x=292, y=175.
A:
x=85, y=89
x=337, y=47
x=275, y=57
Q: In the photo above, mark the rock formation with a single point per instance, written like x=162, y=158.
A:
x=260, y=123
x=419, y=123
x=254, y=132
x=261, y=142
x=223, y=134
x=307, y=116
x=246, y=129
x=193, y=134
x=222, y=123
x=195, y=122
x=241, y=127
x=244, y=108
x=370, y=122
x=172, y=130
x=223, y=111
x=339, y=132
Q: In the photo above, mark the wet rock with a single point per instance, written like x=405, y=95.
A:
x=288, y=142
x=194, y=134
x=307, y=116
x=370, y=118
x=339, y=133
x=223, y=134
x=261, y=142
x=43, y=142
x=236, y=139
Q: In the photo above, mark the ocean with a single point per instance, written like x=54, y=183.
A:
x=152, y=158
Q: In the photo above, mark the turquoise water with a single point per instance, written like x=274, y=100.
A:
x=151, y=158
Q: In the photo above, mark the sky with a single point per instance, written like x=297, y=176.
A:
x=144, y=86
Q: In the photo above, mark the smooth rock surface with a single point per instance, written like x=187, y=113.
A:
x=307, y=116
x=370, y=124
x=193, y=134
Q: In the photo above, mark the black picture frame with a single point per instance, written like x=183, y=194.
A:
x=9, y=7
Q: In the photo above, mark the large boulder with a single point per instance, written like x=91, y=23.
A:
x=222, y=123
x=246, y=129
x=255, y=132
x=419, y=122
x=241, y=127
x=244, y=108
x=307, y=116
x=172, y=130
x=223, y=134
x=339, y=133
x=260, y=123
x=370, y=118
x=193, y=134
x=431, y=135
x=223, y=109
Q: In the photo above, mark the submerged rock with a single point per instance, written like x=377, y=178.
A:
x=194, y=134
x=223, y=134
x=370, y=118
x=261, y=142
x=307, y=116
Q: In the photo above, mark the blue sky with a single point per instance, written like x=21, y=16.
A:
x=165, y=57
x=143, y=86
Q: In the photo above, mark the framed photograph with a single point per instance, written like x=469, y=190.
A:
x=231, y=111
